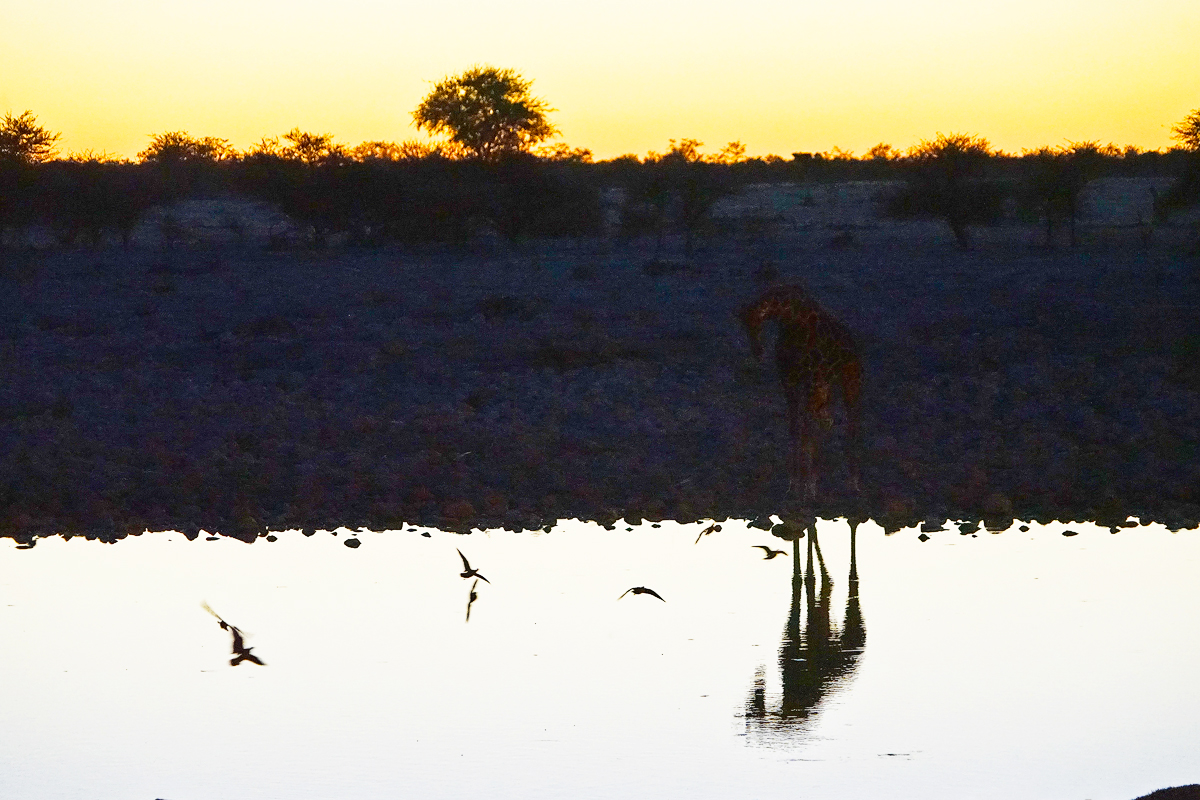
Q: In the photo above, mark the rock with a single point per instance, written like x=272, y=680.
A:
x=495, y=504
x=997, y=504
x=458, y=510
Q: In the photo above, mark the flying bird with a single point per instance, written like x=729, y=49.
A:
x=474, y=596
x=714, y=528
x=642, y=590
x=467, y=571
x=768, y=553
x=240, y=651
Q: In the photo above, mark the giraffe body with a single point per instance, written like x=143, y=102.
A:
x=814, y=352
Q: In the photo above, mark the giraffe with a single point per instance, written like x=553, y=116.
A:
x=813, y=351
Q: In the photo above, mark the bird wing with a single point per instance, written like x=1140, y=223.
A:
x=466, y=564
x=471, y=599
x=656, y=594
x=627, y=591
x=208, y=608
x=765, y=549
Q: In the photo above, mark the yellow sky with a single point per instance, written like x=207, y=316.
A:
x=625, y=76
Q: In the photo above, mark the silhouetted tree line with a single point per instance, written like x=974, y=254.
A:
x=488, y=175
x=407, y=198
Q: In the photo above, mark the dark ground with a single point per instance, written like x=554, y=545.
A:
x=239, y=390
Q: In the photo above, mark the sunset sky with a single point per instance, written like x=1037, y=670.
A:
x=625, y=76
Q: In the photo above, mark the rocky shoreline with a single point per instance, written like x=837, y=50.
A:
x=239, y=390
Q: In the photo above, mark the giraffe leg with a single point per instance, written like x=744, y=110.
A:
x=808, y=455
x=851, y=392
x=793, y=456
x=809, y=430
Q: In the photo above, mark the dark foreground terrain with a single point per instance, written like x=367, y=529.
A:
x=238, y=390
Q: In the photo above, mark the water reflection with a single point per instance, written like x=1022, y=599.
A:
x=815, y=659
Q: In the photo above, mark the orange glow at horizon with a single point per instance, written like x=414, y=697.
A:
x=779, y=77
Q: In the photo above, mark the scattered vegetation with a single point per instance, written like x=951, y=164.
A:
x=491, y=171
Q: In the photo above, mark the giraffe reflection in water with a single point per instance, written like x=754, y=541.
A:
x=815, y=659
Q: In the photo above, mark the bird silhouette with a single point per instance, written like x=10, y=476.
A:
x=471, y=600
x=714, y=528
x=768, y=553
x=240, y=651
x=467, y=571
x=642, y=590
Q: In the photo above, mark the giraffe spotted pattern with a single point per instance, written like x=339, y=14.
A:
x=814, y=351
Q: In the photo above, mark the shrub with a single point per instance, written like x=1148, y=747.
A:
x=948, y=179
x=1059, y=177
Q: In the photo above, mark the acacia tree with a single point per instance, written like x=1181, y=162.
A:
x=1187, y=132
x=180, y=146
x=1185, y=191
x=1060, y=176
x=23, y=145
x=23, y=141
x=487, y=111
x=948, y=180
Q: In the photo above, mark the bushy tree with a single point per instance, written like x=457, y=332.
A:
x=1185, y=191
x=86, y=197
x=23, y=141
x=377, y=151
x=1059, y=177
x=732, y=153
x=175, y=147
x=487, y=111
x=882, y=152
x=24, y=145
x=563, y=153
x=314, y=148
x=1187, y=132
x=947, y=179
x=679, y=187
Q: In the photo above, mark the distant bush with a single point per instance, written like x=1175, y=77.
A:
x=23, y=146
x=1058, y=178
x=677, y=189
x=1185, y=191
x=948, y=178
x=423, y=198
x=84, y=199
x=17, y=193
x=180, y=146
x=183, y=165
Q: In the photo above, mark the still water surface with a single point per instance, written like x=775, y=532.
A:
x=1027, y=665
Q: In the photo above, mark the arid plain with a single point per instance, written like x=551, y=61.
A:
x=218, y=375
